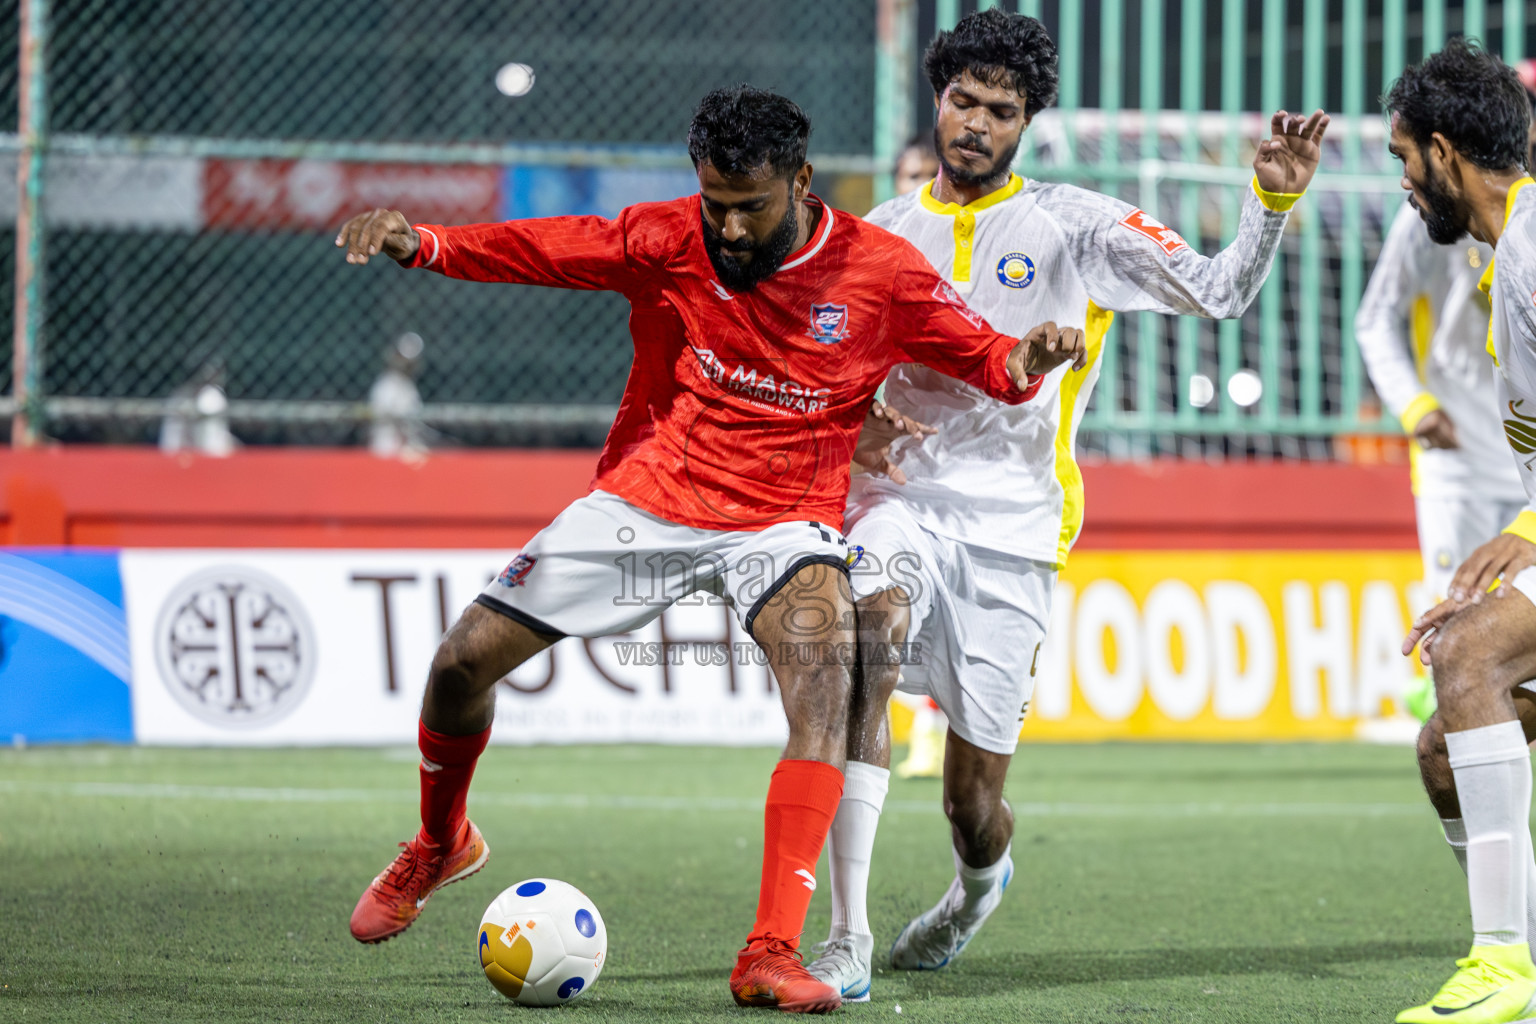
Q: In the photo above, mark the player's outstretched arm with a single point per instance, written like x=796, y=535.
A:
x=1287, y=160
x=376, y=231
x=1131, y=262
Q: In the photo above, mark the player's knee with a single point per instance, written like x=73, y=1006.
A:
x=1465, y=662
x=883, y=620
x=817, y=696
x=457, y=669
x=973, y=809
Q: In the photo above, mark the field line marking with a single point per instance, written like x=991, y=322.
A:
x=603, y=801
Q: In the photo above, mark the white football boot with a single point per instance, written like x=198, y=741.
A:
x=844, y=963
x=933, y=939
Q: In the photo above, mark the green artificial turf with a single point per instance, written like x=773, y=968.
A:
x=1153, y=883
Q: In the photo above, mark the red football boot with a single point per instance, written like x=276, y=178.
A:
x=769, y=973
x=393, y=900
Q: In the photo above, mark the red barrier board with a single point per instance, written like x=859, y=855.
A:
x=346, y=498
x=308, y=195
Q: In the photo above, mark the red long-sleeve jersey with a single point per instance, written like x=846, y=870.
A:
x=742, y=408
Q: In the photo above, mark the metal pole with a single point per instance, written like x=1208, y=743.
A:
x=1352, y=271
x=1434, y=25
x=895, y=58
x=1474, y=24
x=32, y=127
x=1514, y=31
x=1230, y=332
x=1149, y=334
x=1111, y=60
x=1309, y=306
x=1191, y=101
x=1271, y=327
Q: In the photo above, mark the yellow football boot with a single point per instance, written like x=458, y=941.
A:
x=1494, y=985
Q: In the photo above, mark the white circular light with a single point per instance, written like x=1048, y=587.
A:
x=514, y=79
x=211, y=400
x=1245, y=388
x=1201, y=390
x=409, y=345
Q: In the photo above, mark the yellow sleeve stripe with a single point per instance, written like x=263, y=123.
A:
x=1279, y=202
x=1524, y=526
x=1422, y=405
x=1421, y=332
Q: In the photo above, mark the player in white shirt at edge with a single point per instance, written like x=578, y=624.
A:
x=1422, y=328
x=1459, y=125
x=961, y=557
x=917, y=165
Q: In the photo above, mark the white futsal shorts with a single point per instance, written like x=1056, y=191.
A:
x=1450, y=529
x=978, y=619
x=605, y=567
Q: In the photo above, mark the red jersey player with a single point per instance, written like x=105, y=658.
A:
x=763, y=321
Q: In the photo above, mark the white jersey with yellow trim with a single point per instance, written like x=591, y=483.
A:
x=1422, y=328
x=1511, y=285
x=1003, y=478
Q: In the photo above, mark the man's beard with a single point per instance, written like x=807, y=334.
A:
x=767, y=256
x=959, y=175
x=1441, y=218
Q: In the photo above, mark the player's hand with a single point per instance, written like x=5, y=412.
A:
x=376, y=231
x=1426, y=628
x=1287, y=159
x=1436, y=430
x=1044, y=348
x=883, y=425
x=1502, y=557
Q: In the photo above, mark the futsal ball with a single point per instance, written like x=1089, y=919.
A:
x=542, y=942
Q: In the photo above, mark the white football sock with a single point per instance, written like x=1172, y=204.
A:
x=1456, y=837
x=851, y=844
x=976, y=884
x=1492, y=767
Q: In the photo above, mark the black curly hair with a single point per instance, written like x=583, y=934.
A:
x=1472, y=98
x=1008, y=50
x=741, y=130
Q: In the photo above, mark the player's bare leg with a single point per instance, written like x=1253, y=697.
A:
x=844, y=960
x=456, y=713
x=1476, y=766
x=981, y=823
x=806, y=631
x=1440, y=787
x=980, y=820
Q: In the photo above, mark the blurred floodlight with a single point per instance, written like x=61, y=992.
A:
x=409, y=345
x=1244, y=387
x=1201, y=391
x=514, y=79
x=211, y=400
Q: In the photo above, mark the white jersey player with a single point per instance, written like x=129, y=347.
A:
x=1422, y=328
x=960, y=559
x=1459, y=124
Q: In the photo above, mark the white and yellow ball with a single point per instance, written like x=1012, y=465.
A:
x=542, y=942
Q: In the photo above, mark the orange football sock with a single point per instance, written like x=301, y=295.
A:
x=802, y=801
x=447, y=765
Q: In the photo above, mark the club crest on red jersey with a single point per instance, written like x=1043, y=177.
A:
x=517, y=571
x=829, y=323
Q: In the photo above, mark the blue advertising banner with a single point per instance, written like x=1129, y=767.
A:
x=603, y=191
x=64, y=662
